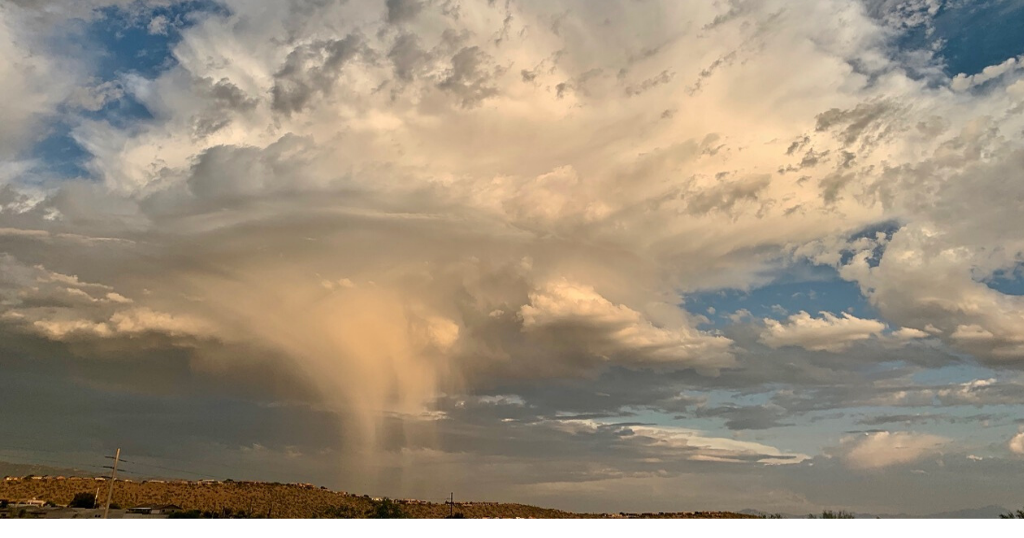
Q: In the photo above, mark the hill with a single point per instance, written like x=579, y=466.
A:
x=261, y=499
x=25, y=469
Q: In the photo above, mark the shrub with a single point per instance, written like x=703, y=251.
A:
x=83, y=500
x=385, y=509
x=1019, y=514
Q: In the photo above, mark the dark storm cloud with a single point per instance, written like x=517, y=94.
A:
x=615, y=392
x=400, y=11
x=924, y=418
x=470, y=78
x=662, y=78
x=407, y=56
x=725, y=196
x=866, y=123
x=758, y=417
x=228, y=95
x=310, y=70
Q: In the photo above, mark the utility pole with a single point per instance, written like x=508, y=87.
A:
x=113, y=477
x=451, y=505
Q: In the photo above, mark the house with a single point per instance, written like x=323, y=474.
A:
x=155, y=509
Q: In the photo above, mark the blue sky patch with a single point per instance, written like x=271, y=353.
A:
x=809, y=288
x=1008, y=282
x=59, y=153
x=119, y=41
x=979, y=34
x=131, y=43
x=888, y=228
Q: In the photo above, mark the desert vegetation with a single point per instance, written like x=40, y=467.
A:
x=231, y=499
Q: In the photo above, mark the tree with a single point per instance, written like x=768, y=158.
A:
x=83, y=500
x=1019, y=514
x=829, y=514
x=385, y=509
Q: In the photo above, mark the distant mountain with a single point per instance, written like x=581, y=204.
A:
x=985, y=512
x=24, y=469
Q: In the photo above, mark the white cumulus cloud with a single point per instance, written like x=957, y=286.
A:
x=827, y=333
x=884, y=449
x=1016, y=444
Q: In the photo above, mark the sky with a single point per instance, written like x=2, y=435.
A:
x=643, y=255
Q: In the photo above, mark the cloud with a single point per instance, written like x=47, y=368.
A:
x=925, y=282
x=725, y=196
x=907, y=333
x=405, y=205
x=903, y=13
x=564, y=309
x=923, y=418
x=683, y=443
x=123, y=323
x=892, y=393
x=963, y=82
x=469, y=78
x=158, y=25
x=1016, y=444
x=863, y=123
x=33, y=83
x=758, y=417
x=62, y=307
x=311, y=70
x=885, y=449
x=403, y=10
x=96, y=97
x=828, y=333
